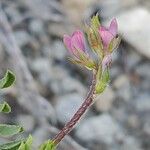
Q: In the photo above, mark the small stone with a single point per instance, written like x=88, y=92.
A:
x=109, y=8
x=67, y=105
x=22, y=38
x=15, y=16
x=58, y=51
x=131, y=143
x=104, y=100
x=133, y=59
x=27, y=121
x=133, y=121
x=122, y=86
x=128, y=3
x=120, y=81
x=146, y=128
x=142, y=70
x=36, y=26
x=143, y=102
x=40, y=135
x=115, y=71
x=70, y=84
x=136, y=27
x=101, y=128
x=42, y=67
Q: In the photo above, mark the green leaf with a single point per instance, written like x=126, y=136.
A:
x=18, y=145
x=9, y=130
x=14, y=145
x=28, y=143
x=7, y=80
x=48, y=145
x=95, y=22
x=22, y=146
x=103, y=81
x=5, y=108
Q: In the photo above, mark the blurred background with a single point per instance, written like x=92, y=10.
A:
x=49, y=89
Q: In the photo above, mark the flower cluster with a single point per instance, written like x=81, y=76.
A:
x=102, y=40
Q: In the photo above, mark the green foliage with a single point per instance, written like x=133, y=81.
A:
x=95, y=22
x=5, y=108
x=7, y=80
x=102, y=82
x=26, y=145
x=9, y=130
x=14, y=145
x=48, y=145
x=18, y=145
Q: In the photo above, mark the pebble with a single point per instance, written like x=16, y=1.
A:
x=42, y=67
x=142, y=70
x=67, y=105
x=123, y=88
x=101, y=128
x=136, y=26
x=130, y=143
x=36, y=26
x=58, y=50
x=143, y=102
x=27, y=121
x=133, y=59
x=104, y=101
x=22, y=38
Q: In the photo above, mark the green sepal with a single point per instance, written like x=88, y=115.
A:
x=114, y=44
x=93, y=36
x=83, y=59
x=95, y=22
x=94, y=40
x=7, y=80
x=103, y=81
x=48, y=145
x=5, y=108
x=9, y=130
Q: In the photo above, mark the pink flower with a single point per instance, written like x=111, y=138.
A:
x=107, y=34
x=75, y=42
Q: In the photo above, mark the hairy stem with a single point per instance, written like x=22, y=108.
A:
x=85, y=105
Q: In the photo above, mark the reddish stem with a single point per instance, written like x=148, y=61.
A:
x=85, y=105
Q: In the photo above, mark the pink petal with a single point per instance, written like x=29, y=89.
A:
x=103, y=28
x=113, y=28
x=106, y=37
x=77, y=41
x=67, y=42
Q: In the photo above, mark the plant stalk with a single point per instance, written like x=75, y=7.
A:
x=85, y=105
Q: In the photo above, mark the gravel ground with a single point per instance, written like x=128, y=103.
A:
x=47, y=83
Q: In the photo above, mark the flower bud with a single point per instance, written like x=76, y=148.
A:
x=107, y=35
x=76, y=46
